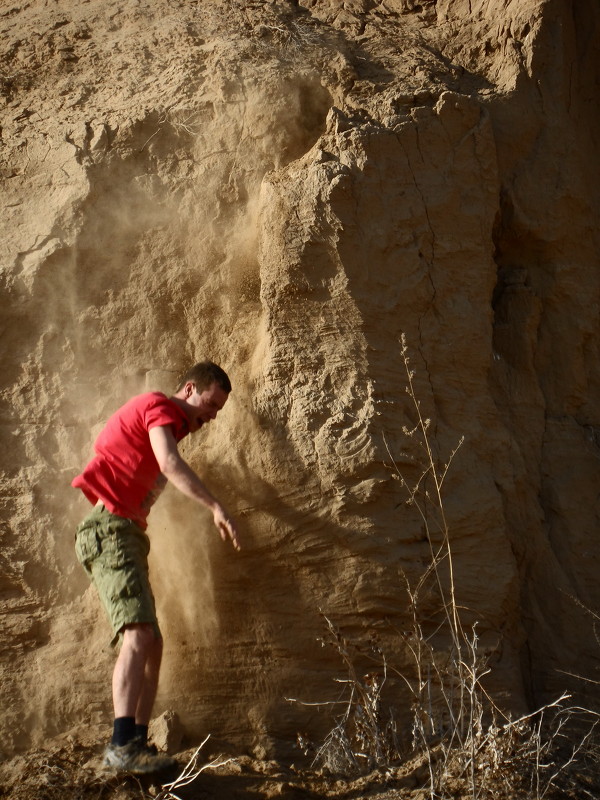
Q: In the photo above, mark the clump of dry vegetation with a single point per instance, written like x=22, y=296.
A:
x=461, y=743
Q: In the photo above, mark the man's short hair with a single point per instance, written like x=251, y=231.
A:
x=204, y=374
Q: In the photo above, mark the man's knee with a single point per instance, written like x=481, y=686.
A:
x=142, y=636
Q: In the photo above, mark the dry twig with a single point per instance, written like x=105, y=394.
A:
x=189, y=774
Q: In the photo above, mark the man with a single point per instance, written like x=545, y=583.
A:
x=136, y=454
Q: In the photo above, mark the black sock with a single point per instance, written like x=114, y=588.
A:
x=123, y=731
x=141, y=733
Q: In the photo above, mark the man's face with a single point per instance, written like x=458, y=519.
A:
x=202, y=405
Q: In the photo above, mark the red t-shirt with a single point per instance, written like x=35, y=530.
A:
x=125, y=474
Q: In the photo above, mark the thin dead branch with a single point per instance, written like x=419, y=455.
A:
x=190, y=773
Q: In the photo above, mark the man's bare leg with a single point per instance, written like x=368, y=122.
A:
x=139, y=641
x=145, y=703
x=135, y=680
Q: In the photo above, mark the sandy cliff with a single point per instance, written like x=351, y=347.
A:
x=287, y=188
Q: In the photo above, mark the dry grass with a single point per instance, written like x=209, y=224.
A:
x=467, y=746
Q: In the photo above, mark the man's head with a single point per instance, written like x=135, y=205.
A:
x=202, y=393
x=205, y=373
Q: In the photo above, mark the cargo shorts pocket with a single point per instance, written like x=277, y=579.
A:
x=87, y=546
x=125, y=582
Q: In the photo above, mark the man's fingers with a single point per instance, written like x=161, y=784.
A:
x=233, y=536
x=228, y=531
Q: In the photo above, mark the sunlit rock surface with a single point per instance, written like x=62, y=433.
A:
x=287, y=188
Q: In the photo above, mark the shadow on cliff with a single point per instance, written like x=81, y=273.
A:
x=269, y=599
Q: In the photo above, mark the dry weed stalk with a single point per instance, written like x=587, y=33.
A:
x=358, y=740
x=447, y=698
x=595, y=626
x=462, y=737
x=462, y=732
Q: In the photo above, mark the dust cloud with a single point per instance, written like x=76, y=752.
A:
x=137, y=259
x=181, y=568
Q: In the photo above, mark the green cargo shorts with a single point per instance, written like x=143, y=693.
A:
x=114, y=553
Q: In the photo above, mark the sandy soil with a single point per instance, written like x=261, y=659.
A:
x=69, y=769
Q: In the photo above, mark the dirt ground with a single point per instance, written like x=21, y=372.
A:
x=69, y=769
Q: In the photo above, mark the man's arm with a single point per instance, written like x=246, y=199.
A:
x=183, y=477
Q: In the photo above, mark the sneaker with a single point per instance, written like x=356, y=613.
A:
x=136, y=758
x=145, y=745
x=153, y=750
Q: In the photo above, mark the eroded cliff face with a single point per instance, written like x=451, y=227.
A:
x=287, y=189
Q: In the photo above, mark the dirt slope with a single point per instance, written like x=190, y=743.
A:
x=287, y=188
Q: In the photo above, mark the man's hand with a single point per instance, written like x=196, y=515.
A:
x=226, y=526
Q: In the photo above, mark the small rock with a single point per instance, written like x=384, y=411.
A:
x=259, y=752
x=423, y=96
x=167, y=732
x=99, y=138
